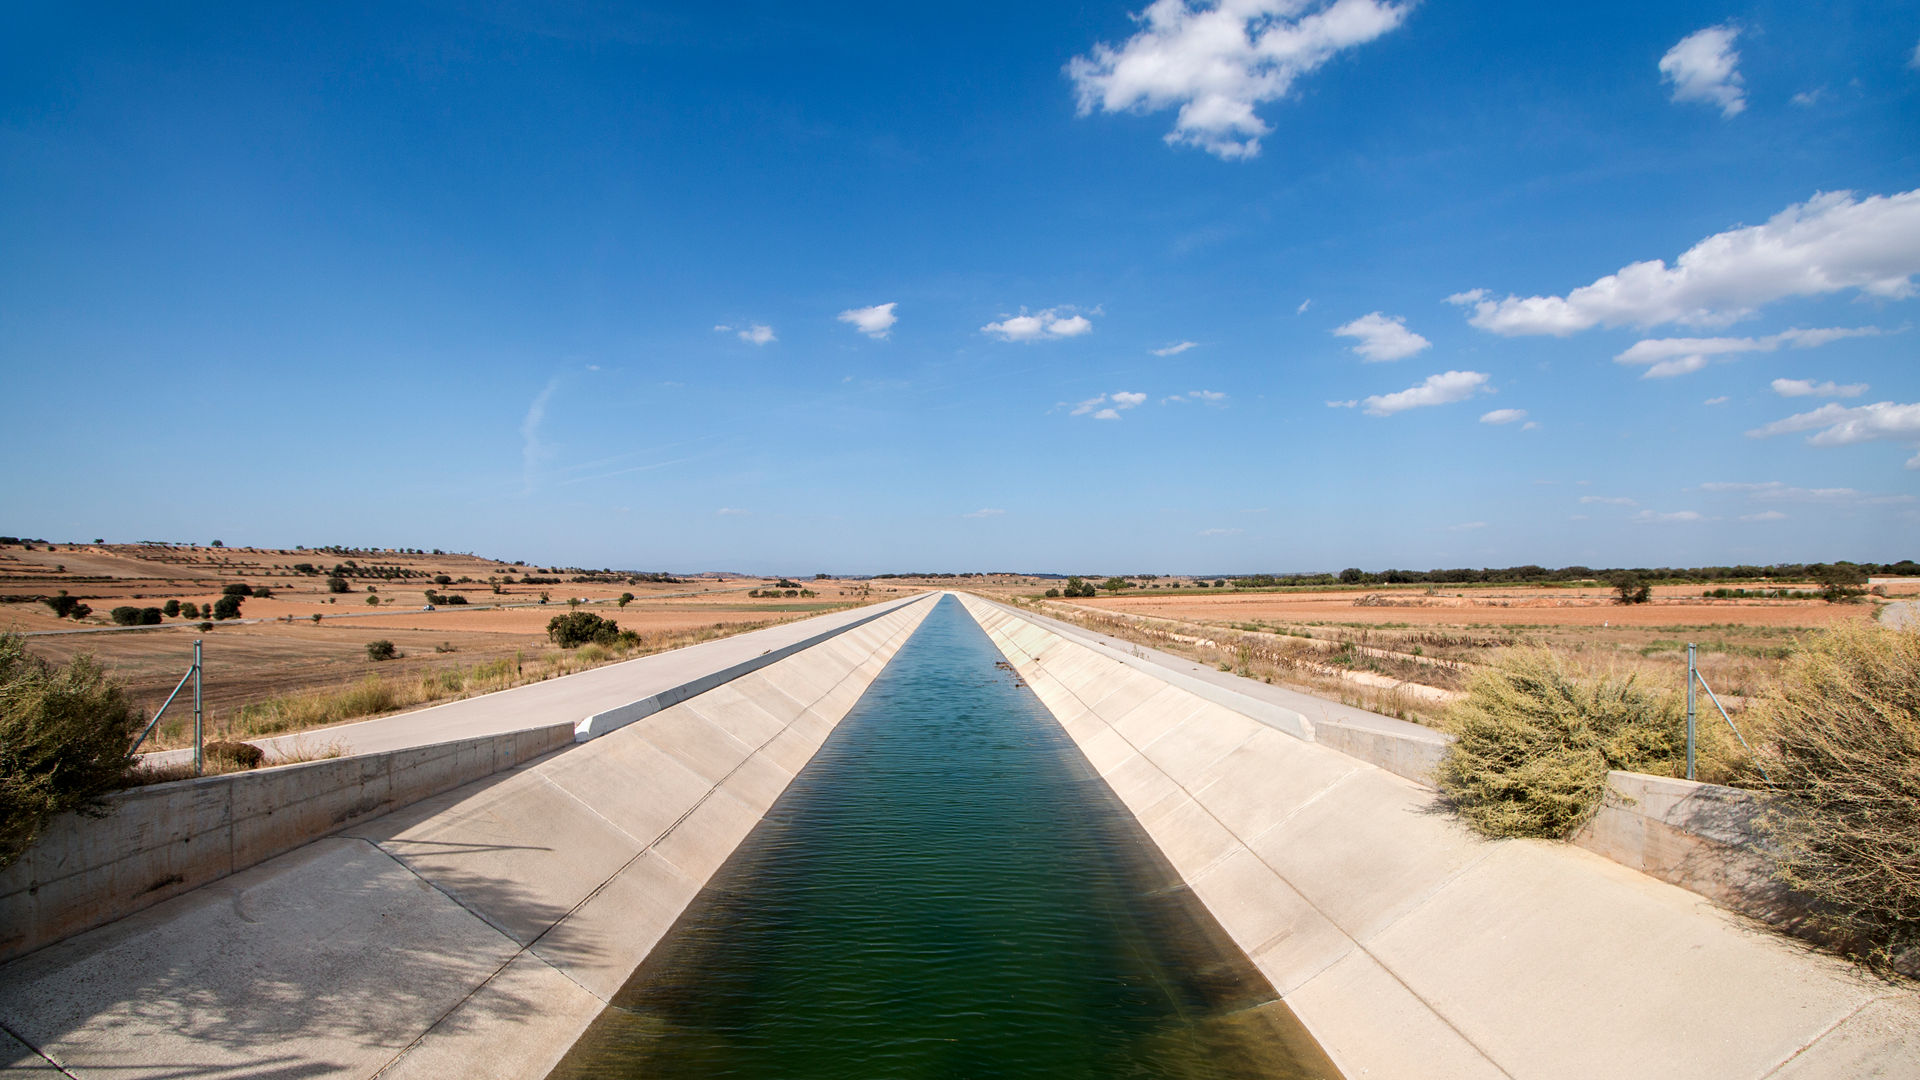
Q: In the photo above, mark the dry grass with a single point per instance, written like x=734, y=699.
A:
x=376, y=694
x=1841, y=730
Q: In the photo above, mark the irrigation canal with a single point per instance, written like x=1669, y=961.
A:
x=947, y=891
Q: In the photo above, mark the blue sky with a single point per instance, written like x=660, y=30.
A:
x=1266, y=285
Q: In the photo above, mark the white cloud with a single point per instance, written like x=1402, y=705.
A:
x=1503, y=416
x=722, y=328
x=1382, y=337
x=1809, y=388
x=1721, y=400
x=1914, y=60
x=873, y=321
x=1217, y=61
x=1807, y=98
x=1605, y=500
x=1304, y=305
x=1347, y=404
x=985, y=512
x=1704, y=67
x=1049, y=325
x=757, y=334
x=1466, y=525
x=1677, y=356
x=1221, y=532
x=1174, y=350
x=1442, y=389
x=1211, y=397
x=1830, y=243
x=1764, y=515
x=1108, y=406
x=731, y=511
x=1840, y=425
x=1648, y=517
x=1775, y=491
x=533, y=449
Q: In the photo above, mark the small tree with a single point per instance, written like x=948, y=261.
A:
x=189, y=610
x=442, y=579
x=373, y=601
x=65, y=738
x=316, y=618
x=1051, y=593
x=125, y=615
x=238, y=588
x=577, y=628
x=1629, y=589
x=626, y=598
x=62, y=604
x=1115, y=584
x=149, y=616
x=337, y=584
x=227, y=607
x=381, y=649
x=171, y=610
x=1840, y=582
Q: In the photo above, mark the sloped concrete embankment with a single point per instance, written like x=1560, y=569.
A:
x=473, y=934
x=1411, y=948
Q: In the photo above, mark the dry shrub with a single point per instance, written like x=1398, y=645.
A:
x=1843, y=747
x=65, y=739
x=1535, y=737
x=234, y=756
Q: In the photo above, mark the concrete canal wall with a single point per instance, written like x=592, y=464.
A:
x=475, y=933
x=1411, y=948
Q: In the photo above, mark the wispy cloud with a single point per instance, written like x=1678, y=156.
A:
x=1109, y=406
x=1809, y=388
x=753, y=334
x=1677, y=517
x=732, y=511
x=1503, y=416
x=1704, y=66
x=1052, y=324
x=1304, y=305
x=985, y=512
x=1216, y=62
x=875, y=322
x=1764, y=515
x=1839, y=425
x=1175, y=349
x=1668, y=357
x=1608, y=500
x=1442, y=389
x=1776, y=491
x=532, y=449
x=1221, y=532
x=1382, y=337
x=1721, y=400
x=1467, y=526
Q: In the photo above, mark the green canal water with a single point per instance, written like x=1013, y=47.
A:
x=947, y=891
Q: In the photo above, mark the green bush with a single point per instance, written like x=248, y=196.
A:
x=1841, y=734
x=64, y=739
x=381, y=649
x=62, y=604
x=227, y=607
x=337, y=584
x=125, y=615
x=578, y=628
x=1629, y=589
x=238, y=588
x=171, y=610
x=1535, y=737
x=189, y=610
x=149, y=616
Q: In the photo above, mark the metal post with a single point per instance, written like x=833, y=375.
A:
x=197, y=732
x=1692, y=674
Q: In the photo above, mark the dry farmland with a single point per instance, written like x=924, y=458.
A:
x=305, y=641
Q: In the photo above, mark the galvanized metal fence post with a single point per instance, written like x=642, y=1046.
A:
x=197, y=731
x=1692, y=674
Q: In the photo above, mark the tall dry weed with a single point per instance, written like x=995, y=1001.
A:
x=1842, y=739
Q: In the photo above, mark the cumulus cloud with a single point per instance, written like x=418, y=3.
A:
x=1382, y=337
x=1503, y=416
x=1049, y=325
x=1805, y=99
x=1211, y=397
x=873, y=321
x=1830, y=243
x=1175, y=349
x=1109, y=406
x=1667, y=357
x=1840, y=425
x=757, y=334
x=1809, y=388
x=1217, y=61
x=1705, y=67
x=985, y=512
x=1442, y=389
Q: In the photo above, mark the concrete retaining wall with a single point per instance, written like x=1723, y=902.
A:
x=160, y=841
x=1411, y=948
x=474, y=934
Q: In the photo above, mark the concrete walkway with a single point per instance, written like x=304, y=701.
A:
x=571, y=697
